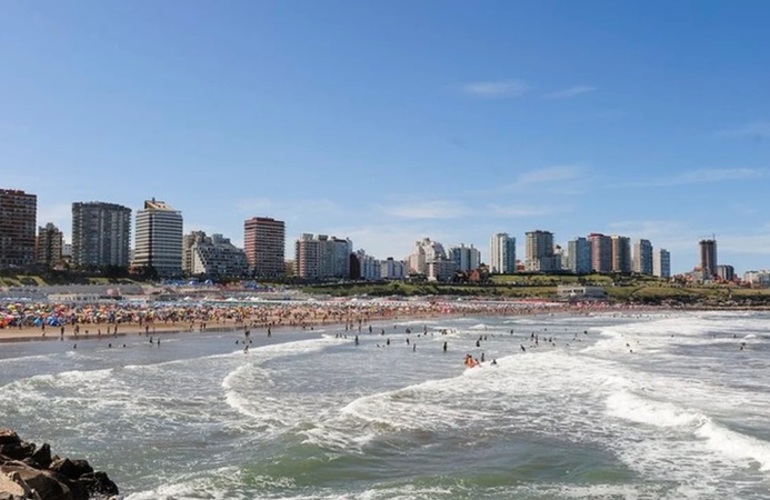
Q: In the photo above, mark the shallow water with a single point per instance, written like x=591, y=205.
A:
x=310, y=415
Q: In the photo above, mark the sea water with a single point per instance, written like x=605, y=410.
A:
x=613, y=405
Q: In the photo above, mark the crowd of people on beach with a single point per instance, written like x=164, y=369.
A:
x=280, y=313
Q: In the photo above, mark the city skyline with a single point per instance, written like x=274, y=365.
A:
x=393, y=123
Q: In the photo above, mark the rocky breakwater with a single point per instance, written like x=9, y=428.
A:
x=28, y=471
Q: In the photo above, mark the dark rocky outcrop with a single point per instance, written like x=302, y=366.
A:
x=29, y=472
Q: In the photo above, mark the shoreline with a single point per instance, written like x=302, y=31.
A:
x=80, y=323
x=90, y=321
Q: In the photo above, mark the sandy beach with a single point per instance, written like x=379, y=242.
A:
x=45, y=321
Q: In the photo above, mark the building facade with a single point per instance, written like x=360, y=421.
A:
x=365, y=267
x=601, y=252
x=101, y=234
x=391, y=269
x=502, y=254
x=214, y=257
x=425, y=251
x=466, y=258
x=539, y=252
x=708, y=258
x=642, y=260
x=322, y=257
x=50, y=245
x=18, y=222
x=661, y=263
x=726, y=272
x=264, y=241
x=158, y=243
x=579, y=255
x=621, y=253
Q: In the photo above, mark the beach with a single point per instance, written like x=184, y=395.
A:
x=52, y=321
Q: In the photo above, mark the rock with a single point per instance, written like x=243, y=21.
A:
x=42, y=457
x=71, y=469
x=18, y=451
x=50, y=487
x=7, y=436
x=13, y=487
x=98, y=482
x=31, y=473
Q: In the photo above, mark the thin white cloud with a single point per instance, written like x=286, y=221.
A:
x=510, y=88
x=288, y=209
x=754, y=130
x=386, y=240
x=702, y=176
x=524, y=210
x=556, y=173
x=570, y=92
x=254, y=205
x=436, y=209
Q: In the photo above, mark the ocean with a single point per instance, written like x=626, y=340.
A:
x=616, y=405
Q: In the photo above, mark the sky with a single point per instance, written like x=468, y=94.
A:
x=388, y=122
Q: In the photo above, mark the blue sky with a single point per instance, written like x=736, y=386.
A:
x=387, y=122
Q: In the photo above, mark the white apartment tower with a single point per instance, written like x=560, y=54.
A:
x=661, y=263
x=502, y=250
x=159, y=235
x=642, y=259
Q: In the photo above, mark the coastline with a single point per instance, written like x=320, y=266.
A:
x=350, y=315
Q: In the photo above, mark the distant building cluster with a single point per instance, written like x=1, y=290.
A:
x=102, y=237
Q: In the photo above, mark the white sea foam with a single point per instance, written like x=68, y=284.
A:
x=628, y=406
x=735, y=445
x=214, y=485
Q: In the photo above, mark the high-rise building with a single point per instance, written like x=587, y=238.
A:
x=466, y=258
x=601, y=252
x=214, y=257
x=391, y=269
x=101, y=234
x=158, y=243
x=642, y=261
x=502, y=250
x=322, y=257
x=708, y=258
x=621, y=253
x=50, y=244
x=425, y=251
x=18, y=222
x=661, y=263
x=264, y=241
x=540, y=252
x=363, y=266
x=579, y=255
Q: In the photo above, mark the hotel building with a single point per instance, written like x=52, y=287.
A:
x=101, y=233
x=214, y=257
x=158, y=243
x=264, y=241
x=322, y=257
x=540, y=253
x=642, y=261
x=18, y=222
x=708, y=258
x=50, y=245
x=502, y=250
